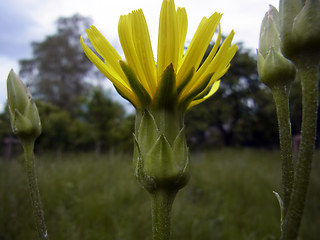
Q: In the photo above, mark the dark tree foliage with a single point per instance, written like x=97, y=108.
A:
x=101, y=126
x=105, y=118
x=56, y=72
x=5, y=128
x=5, y=132
x=55, y=127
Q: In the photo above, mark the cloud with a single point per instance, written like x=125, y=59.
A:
x=14, y=39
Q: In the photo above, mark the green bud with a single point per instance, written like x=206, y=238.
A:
x=160, y=164
x=269, y=32
x=273, y=68
x=24, y=116
x=300, y=28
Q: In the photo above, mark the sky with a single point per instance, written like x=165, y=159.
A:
x=26, y=21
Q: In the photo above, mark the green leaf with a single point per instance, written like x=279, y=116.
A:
x=281, y=207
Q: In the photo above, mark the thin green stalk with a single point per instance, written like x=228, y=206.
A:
x=161, y=204
x=309, y=81
x=281, y=99
x=34, y=190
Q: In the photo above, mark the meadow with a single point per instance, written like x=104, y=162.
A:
x=229, y=197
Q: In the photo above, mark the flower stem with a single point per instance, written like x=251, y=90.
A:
x=34, y=190
x=308, y=72
x=281, y=99
x=161, y=204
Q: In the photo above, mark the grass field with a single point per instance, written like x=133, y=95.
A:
x=229, y=197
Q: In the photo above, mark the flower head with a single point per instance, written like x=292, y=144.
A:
x=176, y=79
x=273, y=68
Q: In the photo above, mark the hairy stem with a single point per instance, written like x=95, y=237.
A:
x=281, y=99
x=34, y=190
x=161, y=204
x=309, y=81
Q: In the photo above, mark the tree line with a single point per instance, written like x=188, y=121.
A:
x=78, y=114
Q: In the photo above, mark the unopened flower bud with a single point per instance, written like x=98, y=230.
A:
x=158, y=163
x=269, y=32
x=300, y=28
x=24, y=116
x=273, y=68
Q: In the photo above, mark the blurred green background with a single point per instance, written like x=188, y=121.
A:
x=84, y=155
x=86, y=197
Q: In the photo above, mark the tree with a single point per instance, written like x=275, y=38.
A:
x=9, y=144
x=56, y=72
x=55, y=128
x=105, y=118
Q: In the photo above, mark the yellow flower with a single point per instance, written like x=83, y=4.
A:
x=176, y=78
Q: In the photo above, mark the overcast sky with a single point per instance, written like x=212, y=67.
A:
x=24, y=21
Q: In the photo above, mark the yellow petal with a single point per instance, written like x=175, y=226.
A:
x=203, y=70
x=142, y=43
x=126, y=39
x=168, y=39
x=110, y=74
x=220, y=64
x=213, y=89
x=182, y=31
x=104, y=48
x=230, y=54
x=102, y=43
x=224, y=55
x=219, y=74
x=198, y=45
x=220, y=71
x=224, y=66
x=215, y=77
x=219, y=67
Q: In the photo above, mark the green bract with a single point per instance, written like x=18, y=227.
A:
x=24, y=116
x=160, y=162
x=273, y=68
